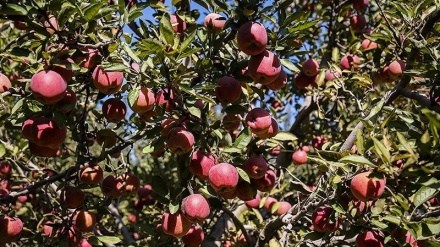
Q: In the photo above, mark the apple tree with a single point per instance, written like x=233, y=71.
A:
x=219, y=123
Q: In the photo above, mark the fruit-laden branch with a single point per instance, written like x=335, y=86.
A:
x=11, y=196
x=400, y=88
x=120, y=224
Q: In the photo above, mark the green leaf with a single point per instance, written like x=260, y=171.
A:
x=133, y=96
x=130, y=53
x=376, y=109
x=382, y=150
x=434, y=118
x=92, y=10
x=188, y=40
x=274, y=243
x=379, y=223
x=109, y=239
x=302, y=25
x=289, y=65
x=2, y=150
x=360, y=141
x=195, y=111
x=17, y=106
x=405, y=143
x=423, y=195
x=115, y=67
x=159, y=186
x=243, y=139
x=285, y=136
x=166, y=30
x=243, y=174
x=13, y=9
x=356, y=159
x=173, y=207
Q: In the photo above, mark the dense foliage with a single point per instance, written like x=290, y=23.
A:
x=270, y=123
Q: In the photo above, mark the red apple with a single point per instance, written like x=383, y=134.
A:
x=268, y=204
x=112, y=186
x=310, y=67
x=369, y=239
x=199, y=104
x=252, y=38
x=92, y=174
x=84, y=221
x=368, y=45
x=5, y=83
x=107, y=82
x=194, y=237
x=43, y=151
x=48, y=86
x=51, y=25
x=10, y=229
x=231, y=122
x=131, y=183
x=275, y=151
x=85, y=243
x=266, y=183
x=5, y=170
x=365, y=188
x=321, y=220
x=258, y=120
x=228, y=90
x=358, y=22
x=195, y=207
x=245, y=191
x=302, y=81
x=279, y=83
x=396, y=69
x=175, y=224
x=360, y=5
x=223, y=177
x=272, y=131
x=68, y=102
x=114, y=110
x=64, y=69
x=299, y=157
x=165, y=96
x=255, y=166
x=180, y=140
x=72, y=197
x=283, y=207
x=350, y=61
x=200, y=164
x=214, y=23
x=264, y=68
x=329, y=75
x=44, y=132
x=145, y=101
x=254, y=203
x=179, y=25
x=92, y=58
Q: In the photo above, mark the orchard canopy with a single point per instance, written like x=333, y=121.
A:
x=220, y=123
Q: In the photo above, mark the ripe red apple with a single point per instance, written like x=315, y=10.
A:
x=329, y=75
x=350, y=61
x=214, y=23
x=271, y=131
x=112, y=186
x=44, y=132
x=255, y=166
x=84, y=243
x=92, y=174
x=382, y=76
x=223, y=177
x=254, y=203
x=200, y=164
x=5, y=170
x=10, y=229
x=43, y=151
x=68, y=102
x=146, y=116
x=114, y=110
x=231, y=122
x=106, y=138
x=369, y=239
x=180, y=140
x=310, y=67
x=368, y=45
x=72, y=197
x=245, y=191
x=167, y=125
x=302, y=81
x=64, y=69
x=194, y=237
x=175, y=224
x=51, y=25
x=145, y=101
x=283, y=207
x=258, y=120
x=270, y=201
x=199, y=104
x=131, y=183
x=365, y=188
x=130, y=3
x=264, y=68
x=228, y=194
x=396, y=69
x=92, y=58
x=358, y=22
x=5, y=83
x=252, y=38
x=228, y=90
x=47, y=229
x=360, y=5
x=195, y=207
x=321, y=220
x=179, y=25
x=162, y=99
x=84, y=221
x=266, y=183
x=279, y=83
x=48, y=86
x=107, y=82
x=299, y=157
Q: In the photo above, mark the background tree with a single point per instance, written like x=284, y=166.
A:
x=219, y=123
